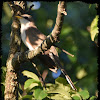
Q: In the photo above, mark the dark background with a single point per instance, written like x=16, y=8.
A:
x=75, y=38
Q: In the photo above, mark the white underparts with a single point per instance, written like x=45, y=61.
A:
x=29, y=46
x=24, y=26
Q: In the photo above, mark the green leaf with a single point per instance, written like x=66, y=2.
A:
x=61, y=80
x=90, y=5
x=29, y=97
x=94, y=28
x=81, y=73
x=40, y=94
x=93, y=98
x=76, y=98
x=55, y=96
x=29, y=82
x=59, y=88
x=33, y=85
x=66, y=31
x=84, y=94
x=20, y=87
x=31, y=75
x=60, y=91
x=58, y=96
x=3, y=69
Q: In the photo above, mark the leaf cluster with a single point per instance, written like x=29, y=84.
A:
x=59, y=90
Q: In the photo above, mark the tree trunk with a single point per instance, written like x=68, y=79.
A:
x=11, y=81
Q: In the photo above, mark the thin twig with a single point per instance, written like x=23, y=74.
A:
x=64, y=51
x=42, y=80
x=30, y=8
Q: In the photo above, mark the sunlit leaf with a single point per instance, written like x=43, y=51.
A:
x=94, y=28
x=61, y=80
x=61, y=90
x=84, y=94
x=30, y=75
x=29, y=82
x=90, y=5
x=76, y=98
x=33, y=85
x=93, y=98
x=39, y=94
x=81, y=73
x=20, y=87
x=72, y=59
x=3, y=69
x=29, y=97
x=49, y=23
x=59, y=97
x=3, y=75
x=66, y=31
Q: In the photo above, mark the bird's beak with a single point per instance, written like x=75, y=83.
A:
x=19, y=17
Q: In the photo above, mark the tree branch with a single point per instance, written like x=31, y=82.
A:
x=11, y=81
x=59, y=20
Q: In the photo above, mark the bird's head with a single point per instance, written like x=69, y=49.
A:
x=25, y=18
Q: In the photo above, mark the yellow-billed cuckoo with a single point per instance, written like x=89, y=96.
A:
x=32, y=38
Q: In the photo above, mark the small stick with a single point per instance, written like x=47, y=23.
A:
x=42, y=80
x=31, y=6
x=64, y=51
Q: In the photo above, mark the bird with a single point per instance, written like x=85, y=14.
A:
x=32, y=37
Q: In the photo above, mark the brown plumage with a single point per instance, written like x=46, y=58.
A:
x=32, y=38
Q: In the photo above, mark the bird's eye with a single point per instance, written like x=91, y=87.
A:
x=26, y=17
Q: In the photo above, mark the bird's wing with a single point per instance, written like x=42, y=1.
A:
x=34, y=37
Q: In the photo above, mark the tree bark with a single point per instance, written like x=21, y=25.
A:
x=11, y=81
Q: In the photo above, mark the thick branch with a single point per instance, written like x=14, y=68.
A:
x=59, y=20
x=11, y=81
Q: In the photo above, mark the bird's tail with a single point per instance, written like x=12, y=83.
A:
x=68, y=79
x=57, y=62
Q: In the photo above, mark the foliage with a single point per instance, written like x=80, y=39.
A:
x=3, y=80
x=59, y=90
x=94, y=28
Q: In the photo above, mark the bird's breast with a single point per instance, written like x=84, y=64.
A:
x=23, y=37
